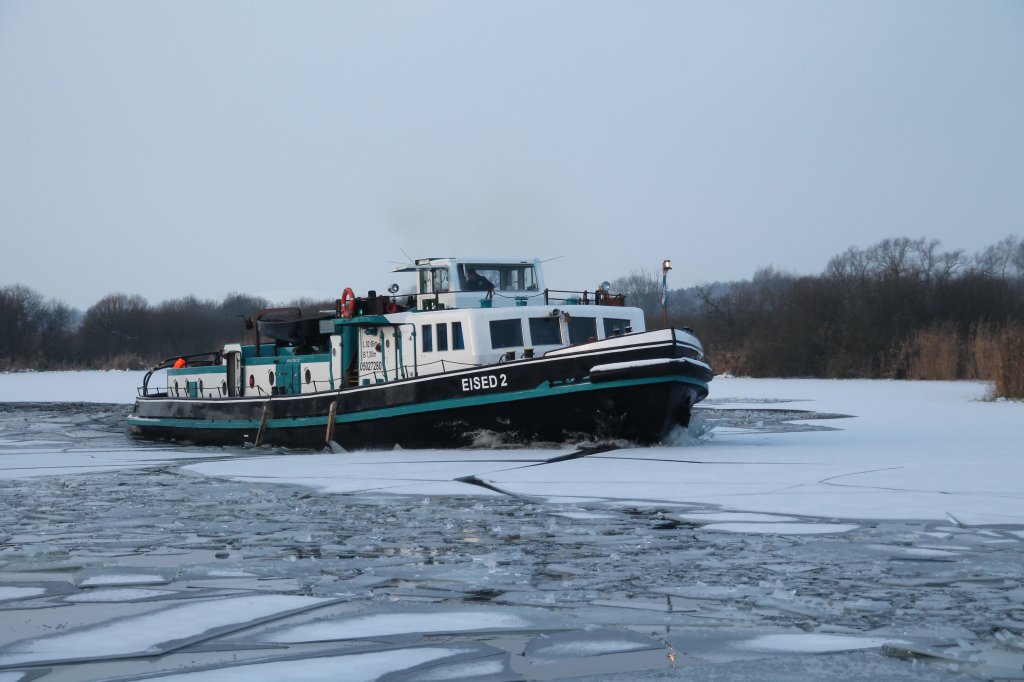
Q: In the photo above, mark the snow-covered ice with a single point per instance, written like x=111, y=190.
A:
x=894, y=450
x=819, y=529
x=114, y=386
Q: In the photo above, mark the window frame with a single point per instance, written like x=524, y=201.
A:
x=546, y=320
x=514, y=323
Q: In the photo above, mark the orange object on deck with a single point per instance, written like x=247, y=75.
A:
x=179, y=363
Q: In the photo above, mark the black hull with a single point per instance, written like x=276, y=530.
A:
x=556, y=399
x=637, y=415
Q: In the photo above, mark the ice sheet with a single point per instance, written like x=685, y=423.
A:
x=146, y=634
x=354, y=667
x=913, y=450
x=113, y=386
x=782, y=528
x=367, y=627
x=128, y=594
x=7, y=593
x=812, y=643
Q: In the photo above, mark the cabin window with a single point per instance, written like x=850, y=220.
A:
x=427, y=333
x=440, y=277
x=582, y=329
x=434, y=280
x=614, y=326
x=545, y=331
x=513, y=277
x=442, y=336
x=506, y=333
x=457, y=341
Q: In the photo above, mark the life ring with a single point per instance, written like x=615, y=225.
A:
x=391, y=308
x=348, y=302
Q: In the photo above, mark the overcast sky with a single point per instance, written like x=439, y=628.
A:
x=168, y=148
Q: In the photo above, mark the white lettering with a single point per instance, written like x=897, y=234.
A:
x=479, y=383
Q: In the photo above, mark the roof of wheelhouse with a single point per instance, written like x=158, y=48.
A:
x=423, y=263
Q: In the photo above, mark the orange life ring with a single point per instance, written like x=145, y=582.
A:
x=348, y=302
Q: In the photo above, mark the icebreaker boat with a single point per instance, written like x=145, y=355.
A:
x=481, y=347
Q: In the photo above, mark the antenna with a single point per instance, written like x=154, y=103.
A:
x=411, y=262
x=548, y=260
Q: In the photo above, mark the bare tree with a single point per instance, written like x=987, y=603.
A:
x=999, y=260
x=643, y=290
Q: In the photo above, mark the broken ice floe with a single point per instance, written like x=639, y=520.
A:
x=155, y=632
x=406, y=622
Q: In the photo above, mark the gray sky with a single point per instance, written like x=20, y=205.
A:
x=167, y=148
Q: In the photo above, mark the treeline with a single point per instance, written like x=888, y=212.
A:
x=119, y=332
x=902, y=308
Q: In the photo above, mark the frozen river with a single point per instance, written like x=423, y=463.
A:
x=864, y=530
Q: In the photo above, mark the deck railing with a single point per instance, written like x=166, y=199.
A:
x=599, y=297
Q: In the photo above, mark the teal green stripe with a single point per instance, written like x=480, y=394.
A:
x=209, y=369
x=544, y=390
x=288, y=359
x=228, y=423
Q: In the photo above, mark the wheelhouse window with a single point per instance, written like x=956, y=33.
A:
x=512, y=277
x=434, y=280
x=427, y=334
x=582, y=329
x=614, y=326
x=506, y=333
x=545, y=331
x=442, y=336
x=458, y=343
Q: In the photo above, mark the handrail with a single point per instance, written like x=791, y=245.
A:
x=601, y=297
x=266, y=311
x=170, y=362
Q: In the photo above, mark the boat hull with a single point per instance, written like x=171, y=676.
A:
x=636, y=392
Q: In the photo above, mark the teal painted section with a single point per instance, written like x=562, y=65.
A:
x=266, y=349
x=269, y=351
x=544, y=390
x=287, y=359
x=190, y=371
x=287, y=378
x=341, y=323
x=349, y=351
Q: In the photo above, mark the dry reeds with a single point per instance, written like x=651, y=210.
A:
x=998, y=354
x=727, y=360
x=935, y=354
